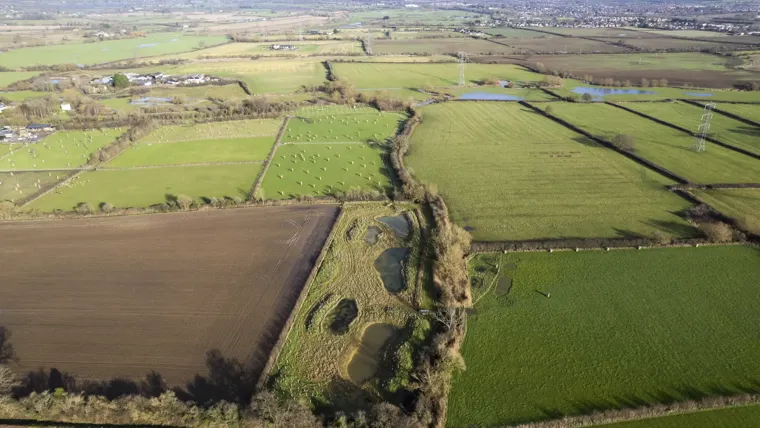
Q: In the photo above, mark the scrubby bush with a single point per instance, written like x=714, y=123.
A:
x=623, y=142
x=661, y=238
x=106, y=207
x=83, y=208
x=120, y=81
x=717, y=231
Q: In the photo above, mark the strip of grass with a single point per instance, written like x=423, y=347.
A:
x=314, y=362
x=743, y=205
x=65, y=149
x=528, y=94
x=361, y=127
x=145, y=187
x=665, y=146
x=8, y=77
x=22, y=185
x=23, y=95
x=747, y=111
x=316, y=47
x=620, y=328
x=508, y=173
x=194, y=152
x=734, y=417
x=378, y=76
x=214, y=130
x=323, y=169
x=722, y=128
x=439, y=46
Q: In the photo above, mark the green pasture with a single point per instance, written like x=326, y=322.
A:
x=558, y=45
x=60, y=150
x=407, y=17
x=321, y=169
x=734, y=417
x=379, y=76
x=513, y=32
x=19, y=96
x=191, y=93
x=121, y=105
x=665, y=146
x=508, y=173
x=722, y=128
x=18, y=186
x=403, y=94
x=742, y=205
x=646, y=61
x=618, y=329
x=314, y=47
x=321, y=110
x=656, y=93
x=100, y=52
x=438, y=46
x=9, y=77
x=145, y=187
x=407, y=35
x=360, y=127
x=195, y=152
x=214, y=131
x=529, y=94
x=616, y=33
x=747, y=111
x=698, y=34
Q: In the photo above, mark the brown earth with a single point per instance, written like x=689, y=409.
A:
x=118, y=297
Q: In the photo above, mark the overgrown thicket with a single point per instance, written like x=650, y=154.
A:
x=341, y=91
x=134, y=133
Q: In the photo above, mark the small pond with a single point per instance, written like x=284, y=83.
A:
x=147, y=45
x=373, y=232
x=343, y=315
x=366, y=360
x=390, y=265
x=598, y=93
x=489, y=97
x=698, y=94
x=504, y=286
x=150, y=101
x=398, y=223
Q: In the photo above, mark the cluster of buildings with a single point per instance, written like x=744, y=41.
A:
x=279, y=47
x=29, y=133
x=150, y=79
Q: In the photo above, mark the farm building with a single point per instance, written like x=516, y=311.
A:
x=40, y=127
x=278, y=47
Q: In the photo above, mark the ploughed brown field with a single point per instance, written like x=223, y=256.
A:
x=118, y=297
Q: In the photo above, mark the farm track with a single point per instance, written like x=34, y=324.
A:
x=142, y=294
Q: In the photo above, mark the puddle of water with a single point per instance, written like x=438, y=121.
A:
x=698, y=94
x=598, y=93
x=343, y=315
x=391, y=268
x=398, y=223
x=147, y=45
x=503, y=286
x=489, y=97
x=366, y=360
x=373, y=232
x=150, y=101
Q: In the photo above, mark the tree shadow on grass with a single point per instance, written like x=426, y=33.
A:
x=673, y=228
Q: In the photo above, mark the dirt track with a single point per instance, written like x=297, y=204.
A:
x=121, y=296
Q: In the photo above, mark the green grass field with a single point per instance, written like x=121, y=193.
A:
x=734, y=417
x=361, y=127
x=743, y=205
x=314, y=47
x=650, y=61
x=101, y=52
x=657, y=94
x=145, y=187
x=61, y=150
x=371, y=75
x=662, y=145
x=214, y=130
x=620, y=329
x=410, y=95
x=747, y=111
x=513, y=33
x=8, y=77
x=508, y=173
x=439, y=46
x=529, y=94
x=722, y=128
x=195, y=152
x=21, y=185
x=321, y=169
x=23, y=95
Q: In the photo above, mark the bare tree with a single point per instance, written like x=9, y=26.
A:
x=717, y=231
x=8, y=380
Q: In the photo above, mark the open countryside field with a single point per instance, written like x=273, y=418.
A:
x=195, y=152
x=214, y=130
x=144, y=187
x=577, y=88
x=747, y=111
x=316, y=169
x=734, y=417
x=665, y=146
x=508, y=173
x=158, y=292
x=439, y=46
x=8, y=77
x=528, y=94
x=61, y=150
x=20, y=186
x=315, y=47
x=514, y=33
x=106, y=51
x=666, y=43
x=556, y=44
x=742, y=205
x=620, y=329
x=359, y=127
x=376, y=76
x=617, y=33
x=722, y=128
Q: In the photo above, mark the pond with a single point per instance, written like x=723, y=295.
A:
x=343, y=315
x=390, y=265
x=147, y=45
x=398, y=223
x=373, y=232
x=698, y=94
x=366, y=360
x=489, y=97
x=598, y=93
x=150, y=101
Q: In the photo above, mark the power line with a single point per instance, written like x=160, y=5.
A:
x=462, y=61
x=704, y=128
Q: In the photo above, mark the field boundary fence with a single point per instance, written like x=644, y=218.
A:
x=711, y=186
x=288, y=326
x=260, y=178
x=53, y=187
x=638, y=159
x=725, y=113
x=678, y=128
x=578, y=244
